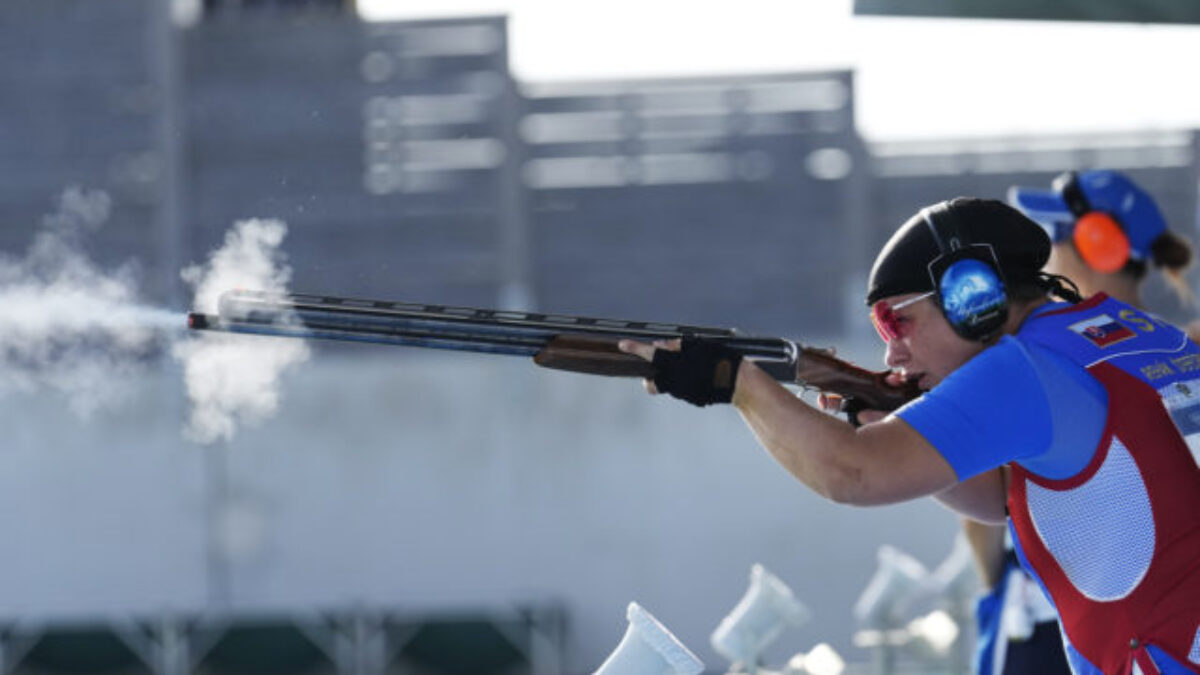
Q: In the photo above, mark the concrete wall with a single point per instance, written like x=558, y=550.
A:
x=428, y=481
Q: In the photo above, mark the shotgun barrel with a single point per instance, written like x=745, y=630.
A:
x=559, y=341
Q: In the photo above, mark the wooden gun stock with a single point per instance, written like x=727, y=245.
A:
x=863, y=389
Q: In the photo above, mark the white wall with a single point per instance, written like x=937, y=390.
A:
x=422, y=480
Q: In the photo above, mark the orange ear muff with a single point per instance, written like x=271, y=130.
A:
x=1101, y=242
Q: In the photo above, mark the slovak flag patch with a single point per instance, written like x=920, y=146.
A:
x=1102, y=330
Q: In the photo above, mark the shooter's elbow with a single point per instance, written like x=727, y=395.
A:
x=843, y=485
x=848, y=495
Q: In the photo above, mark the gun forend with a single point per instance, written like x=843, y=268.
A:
x=591, y=355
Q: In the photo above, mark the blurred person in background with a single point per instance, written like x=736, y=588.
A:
x=1106, y=232
x=1088, y=403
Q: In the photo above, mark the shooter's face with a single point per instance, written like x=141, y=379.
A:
x=927, y=348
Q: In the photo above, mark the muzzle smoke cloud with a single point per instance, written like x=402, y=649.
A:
x=234, y=379
x=68, y=326
x=83, y=333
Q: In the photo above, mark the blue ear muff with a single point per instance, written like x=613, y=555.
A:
x=972, y=298
x=966, y=277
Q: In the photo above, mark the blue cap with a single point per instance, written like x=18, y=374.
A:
x=1109, y=191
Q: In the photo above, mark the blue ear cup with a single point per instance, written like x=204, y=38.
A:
x=972, y=296
x=966, y=277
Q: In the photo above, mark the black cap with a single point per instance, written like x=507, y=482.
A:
x=1021, y=247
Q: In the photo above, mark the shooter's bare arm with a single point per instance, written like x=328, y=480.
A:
x=880, y=463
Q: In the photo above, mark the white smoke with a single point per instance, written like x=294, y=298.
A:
x=68, y=326
x=234, y=379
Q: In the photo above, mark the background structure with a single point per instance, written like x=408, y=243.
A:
x=434, y=513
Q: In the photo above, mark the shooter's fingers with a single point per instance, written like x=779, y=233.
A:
x=669, y=345
x=830, y=402
x=644, y=350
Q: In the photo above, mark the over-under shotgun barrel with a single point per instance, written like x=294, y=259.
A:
x=564, y=342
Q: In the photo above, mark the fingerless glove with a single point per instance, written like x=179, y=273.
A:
x=702, y=372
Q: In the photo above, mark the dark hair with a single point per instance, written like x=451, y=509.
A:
x=1028, y=290
x=1172, y=254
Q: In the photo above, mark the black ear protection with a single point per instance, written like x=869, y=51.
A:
x=1098, y=237
x=966, y=277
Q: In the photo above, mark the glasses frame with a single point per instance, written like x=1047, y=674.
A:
x=892, y=309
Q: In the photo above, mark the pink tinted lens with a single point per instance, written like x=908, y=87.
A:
x=884, y=320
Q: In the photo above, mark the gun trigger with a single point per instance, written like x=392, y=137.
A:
x=853, y=406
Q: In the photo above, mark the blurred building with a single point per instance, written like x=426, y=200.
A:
x=652, y=198
x=83, y=105
x=614, y=198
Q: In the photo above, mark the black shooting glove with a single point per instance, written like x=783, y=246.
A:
x=702, y=372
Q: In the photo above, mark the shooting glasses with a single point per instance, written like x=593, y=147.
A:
x=883, y=316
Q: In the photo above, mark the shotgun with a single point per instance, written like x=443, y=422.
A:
x=563, y=342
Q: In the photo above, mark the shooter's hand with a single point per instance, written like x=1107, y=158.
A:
x=647, y=350
x=857, y=416
x=698, y=371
